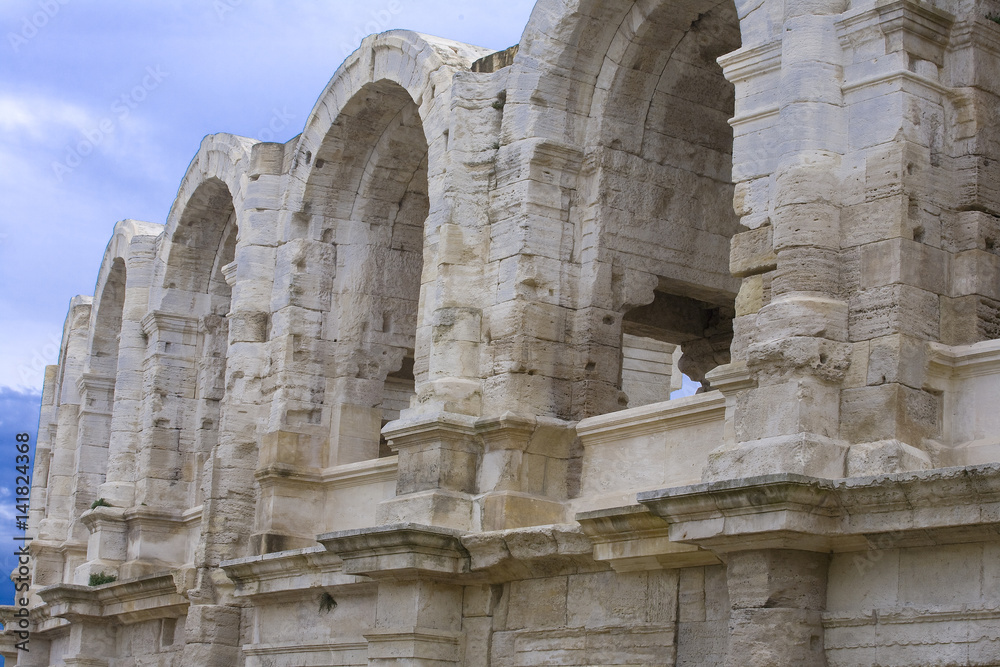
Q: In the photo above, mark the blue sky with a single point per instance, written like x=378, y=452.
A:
x=103, y=105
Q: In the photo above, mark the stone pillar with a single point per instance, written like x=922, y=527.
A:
x=212, y=635
x=436, y=440
x=212, y=628
x=895, y=231
x=648, y=371
x=436, y=478
x=795, y=346
x=43, y=451
x=60, y=508
x=91, y=642
x=169, y=388
x=126, y=419
x=535, y=364
x=777, y=598
x=107, y=547
x=449, y=334
x=93, y=432
x=418, y=621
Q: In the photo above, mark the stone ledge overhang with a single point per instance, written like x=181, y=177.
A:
x=126, y=602
x=654, y=418
x=400, y=551
x=948, y=361
x=633, y=539
x=524, y=553
x=285, y=575
x=785, y=511
x=343, y=476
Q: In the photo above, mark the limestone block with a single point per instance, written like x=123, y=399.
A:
x=752, y=252
x=973, y=230
x=537, y=603
x=889, y=411
x=885, y=456
x=892, y=309
x=969, y=319
x=798, y=315
x=807, y=269
x=976, y=272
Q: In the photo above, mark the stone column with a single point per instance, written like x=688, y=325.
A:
x=896, y=231
x=212, y=629
x=168, y=386
x=435, y=438
x=60, y=503
x=93, y=432
x=777, y=598
x=418, y=621
x=126, y=419
x=795, y=346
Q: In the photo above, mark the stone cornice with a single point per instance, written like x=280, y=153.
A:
x=653, y=418
x=424, y=428
x=400, y=551
x=161, y=321
x=951, y=361
x=298, y=648
x=943, y=506
x=286, y=575
x=147, y=598
x=752, y=61
x=633, y=539
x=344, y=476
x=95, y=382
x=523, y=553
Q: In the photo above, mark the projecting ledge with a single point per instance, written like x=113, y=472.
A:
x=633, y=539
x=130, y=601
x=786, y=511
x=399, y=551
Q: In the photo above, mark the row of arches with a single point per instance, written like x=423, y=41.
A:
x=392, y=261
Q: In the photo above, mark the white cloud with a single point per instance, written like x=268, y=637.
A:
x=41, y=118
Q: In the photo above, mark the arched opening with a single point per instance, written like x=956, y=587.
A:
x=659, y=191
x=108, y=323
x=369, y=198
x=97, y=388
x=189, y=335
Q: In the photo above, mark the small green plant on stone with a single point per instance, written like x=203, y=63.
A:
x=495, y=145
x=100, y=502
x=994, y=17
x=101, y=578
x=326, y=603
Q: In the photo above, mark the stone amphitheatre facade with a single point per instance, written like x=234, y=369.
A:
x=396, y=392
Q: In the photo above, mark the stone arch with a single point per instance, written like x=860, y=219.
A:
x=350, y=268
x=206, y=206
x=640, y=123
x=187, y=325
x=115, y=351
x=367, y=156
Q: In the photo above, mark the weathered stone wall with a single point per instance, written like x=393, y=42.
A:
x=396, y=392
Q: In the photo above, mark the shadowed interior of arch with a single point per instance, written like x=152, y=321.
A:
x=197, y=286
x=663, y=192
x=368, y=195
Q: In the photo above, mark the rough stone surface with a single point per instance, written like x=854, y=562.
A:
x=397, y=392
